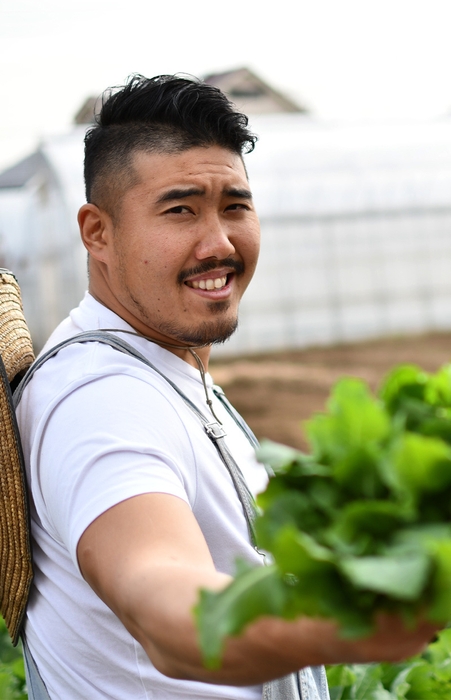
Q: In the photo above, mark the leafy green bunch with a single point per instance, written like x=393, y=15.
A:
x=361, y=524
x=424, y=677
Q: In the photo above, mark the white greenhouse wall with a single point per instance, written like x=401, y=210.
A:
x=356, y=233
x=330, y=280
x=39, y=225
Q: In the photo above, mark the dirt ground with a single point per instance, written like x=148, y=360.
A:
x=276, y=392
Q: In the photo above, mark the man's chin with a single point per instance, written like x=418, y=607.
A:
x=222, y=338
x=212, y=332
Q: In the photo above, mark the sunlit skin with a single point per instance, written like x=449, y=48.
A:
x=189, y=222
x=147, y=558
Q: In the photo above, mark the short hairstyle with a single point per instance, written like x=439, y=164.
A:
x=164, y=114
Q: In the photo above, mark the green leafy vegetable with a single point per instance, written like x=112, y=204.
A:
x=425, y=677
x=360, y=525
x=256, y=592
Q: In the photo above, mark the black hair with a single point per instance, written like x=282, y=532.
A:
x=166, y=113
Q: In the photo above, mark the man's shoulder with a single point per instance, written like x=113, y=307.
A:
x=88, y=315
x=80, y=363
x=66, y=329
x=93, y=380
x=72, y=357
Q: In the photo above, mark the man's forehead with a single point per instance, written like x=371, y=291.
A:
x=162, y=168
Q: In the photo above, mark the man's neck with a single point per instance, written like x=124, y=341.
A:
x=184, y=353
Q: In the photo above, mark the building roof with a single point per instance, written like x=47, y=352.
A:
x=20, y=173
x=86, y=114
x=251, y=94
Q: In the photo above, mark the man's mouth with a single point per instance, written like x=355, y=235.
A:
x=211, y=274
x=208, y=284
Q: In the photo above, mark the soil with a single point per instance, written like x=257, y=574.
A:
x=276, y=392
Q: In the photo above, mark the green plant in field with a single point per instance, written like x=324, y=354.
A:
x=12, y=672
x=425, y=677
x=361, y=524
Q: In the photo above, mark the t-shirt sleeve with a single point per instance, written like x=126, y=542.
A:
x=109, y=440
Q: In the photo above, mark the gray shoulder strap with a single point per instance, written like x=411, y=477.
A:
x=287, y=688
x=35, y=685
x=213, y=429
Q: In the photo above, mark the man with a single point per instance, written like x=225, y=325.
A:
x=133, y=510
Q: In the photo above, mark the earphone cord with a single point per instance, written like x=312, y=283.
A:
x=199, y=362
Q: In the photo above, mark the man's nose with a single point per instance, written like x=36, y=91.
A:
x=214, y=241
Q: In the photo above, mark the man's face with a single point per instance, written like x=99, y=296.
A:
x=184, y=245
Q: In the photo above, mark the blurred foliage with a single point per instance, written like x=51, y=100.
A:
x=424, y=677
x=12, y=671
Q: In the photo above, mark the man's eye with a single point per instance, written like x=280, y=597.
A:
x=237, y=206
x=178, y=210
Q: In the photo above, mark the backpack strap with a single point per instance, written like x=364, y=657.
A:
x=35, y=685
x=286, y=688
x=213, y=429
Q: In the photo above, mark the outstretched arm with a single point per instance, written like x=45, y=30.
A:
x=146, y=558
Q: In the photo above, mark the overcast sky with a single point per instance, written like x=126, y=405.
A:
x=345, y=59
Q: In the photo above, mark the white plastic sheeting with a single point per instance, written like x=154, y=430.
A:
x=39, y=235
x=356, y=233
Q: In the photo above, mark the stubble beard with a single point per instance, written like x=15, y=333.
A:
x=218, y=330
x=212, y=332
x=209, y=332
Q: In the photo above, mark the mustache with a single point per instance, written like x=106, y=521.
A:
x=236, y=265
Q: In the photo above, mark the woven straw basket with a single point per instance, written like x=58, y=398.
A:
x=16, y=355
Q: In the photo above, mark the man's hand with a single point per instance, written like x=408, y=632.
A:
x=146, y=558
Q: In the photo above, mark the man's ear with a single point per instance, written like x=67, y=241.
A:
x=95, y=229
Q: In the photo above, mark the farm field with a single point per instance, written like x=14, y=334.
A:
x=275, y=392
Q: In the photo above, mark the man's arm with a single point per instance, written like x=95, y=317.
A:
x=146, y=558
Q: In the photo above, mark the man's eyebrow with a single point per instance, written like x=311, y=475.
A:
x=238, y=193
x=179, y=193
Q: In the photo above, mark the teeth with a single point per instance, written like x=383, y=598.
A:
x=209, y=284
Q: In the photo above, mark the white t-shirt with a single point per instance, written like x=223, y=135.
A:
x=99, y=427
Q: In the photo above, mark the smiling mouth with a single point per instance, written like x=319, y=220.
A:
x=208, y=284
